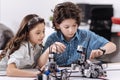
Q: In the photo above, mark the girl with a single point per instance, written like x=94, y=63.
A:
x=24, y=51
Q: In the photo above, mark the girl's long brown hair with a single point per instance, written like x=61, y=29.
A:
x=26, y=25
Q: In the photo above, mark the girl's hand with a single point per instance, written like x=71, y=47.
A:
x=95, y=53
x=57, y=47
x=40, y=70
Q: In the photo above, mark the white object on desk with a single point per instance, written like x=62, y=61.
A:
x=112, y=66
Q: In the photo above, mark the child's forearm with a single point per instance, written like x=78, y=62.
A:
x=21, y=73
x=109, y=47
x=44, y=58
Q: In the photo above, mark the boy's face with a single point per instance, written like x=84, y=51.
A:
x=37, y=34
x=68, y=27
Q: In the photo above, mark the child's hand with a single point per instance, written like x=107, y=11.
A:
x=57, y=47
x=95, y=53
x=41, y=70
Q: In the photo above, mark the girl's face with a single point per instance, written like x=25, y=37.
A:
x=68, y=27
x=37, y=34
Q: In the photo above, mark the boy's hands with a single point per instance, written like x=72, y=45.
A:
x=40, y=70
x=57, y=47
x=95, y=53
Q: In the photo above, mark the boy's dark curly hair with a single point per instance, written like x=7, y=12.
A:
x=66, y=10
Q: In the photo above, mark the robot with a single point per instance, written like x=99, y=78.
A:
x=53, y=72
x=88, y=68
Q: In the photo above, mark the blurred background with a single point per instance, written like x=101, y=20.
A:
x=96, y=16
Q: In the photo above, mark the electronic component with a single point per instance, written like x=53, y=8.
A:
x=88, y=68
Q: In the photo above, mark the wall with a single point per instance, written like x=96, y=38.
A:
x=12, y=11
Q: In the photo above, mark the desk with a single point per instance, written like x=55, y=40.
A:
x=113, y=73
x=14, y=78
